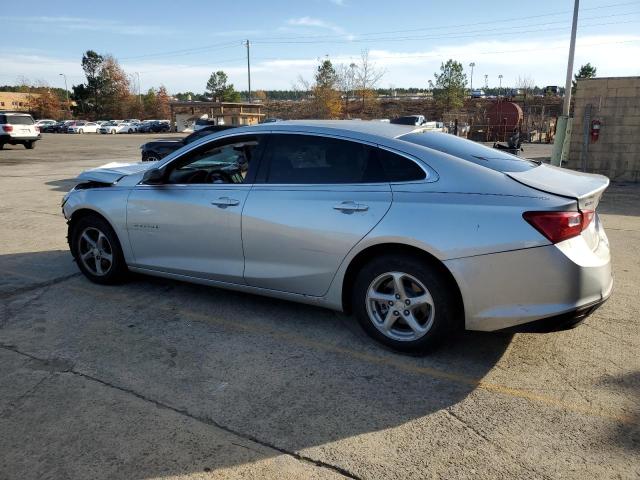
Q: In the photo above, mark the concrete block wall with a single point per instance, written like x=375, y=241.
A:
x=616, y=103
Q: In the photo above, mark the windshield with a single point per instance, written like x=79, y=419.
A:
x=470, y=151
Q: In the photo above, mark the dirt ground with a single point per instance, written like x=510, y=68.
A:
x=158, y=379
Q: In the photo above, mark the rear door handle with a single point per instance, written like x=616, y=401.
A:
x=349, y=207
x=224, y=202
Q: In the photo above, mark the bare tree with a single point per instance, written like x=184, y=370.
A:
x=367, y=76
x=526, y=84
x=346, y=81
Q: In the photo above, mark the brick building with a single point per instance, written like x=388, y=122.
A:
x=184, y=114
x=16, y=101
x=615, y=102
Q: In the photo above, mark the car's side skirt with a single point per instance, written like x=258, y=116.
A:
x=295, y=297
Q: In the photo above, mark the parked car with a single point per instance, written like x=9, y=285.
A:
x=205, y=122
x=83, y=127
x=18, y=129
x=477, y=93
x=409, y=120
x=157, y=149
x=113, y=128
x=51, y=128
x=41, y=124
x=417, y=233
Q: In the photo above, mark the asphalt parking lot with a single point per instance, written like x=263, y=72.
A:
x=157, y=379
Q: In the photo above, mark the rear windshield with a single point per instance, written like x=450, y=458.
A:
x=16, y=119
x=470, y=151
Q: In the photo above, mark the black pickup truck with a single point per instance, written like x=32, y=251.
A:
x=157, y=149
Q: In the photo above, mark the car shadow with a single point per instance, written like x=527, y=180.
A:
x=62, y=185
x=289, y=377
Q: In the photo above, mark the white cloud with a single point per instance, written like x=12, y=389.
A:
x=80, y=24
x=314, y=23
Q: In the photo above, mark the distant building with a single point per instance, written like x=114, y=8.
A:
x=185, y=113
x=16, y=101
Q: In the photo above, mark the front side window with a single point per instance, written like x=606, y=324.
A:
x=222, y=161
x=308, y=159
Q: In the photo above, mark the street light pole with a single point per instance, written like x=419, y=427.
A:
x=500, y=86
x=139, y=89
x=472, y=64
x=486, y=81
x=248, y=69
x=66, y=90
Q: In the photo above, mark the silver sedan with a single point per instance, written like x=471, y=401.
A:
x=416, y=233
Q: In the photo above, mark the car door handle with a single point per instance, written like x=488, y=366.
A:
x=223, y=202
x=349, y=207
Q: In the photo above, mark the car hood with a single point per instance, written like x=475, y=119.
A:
x=114, y=171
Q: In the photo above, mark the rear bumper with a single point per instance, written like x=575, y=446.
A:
x=506, y=289
x=11, y=140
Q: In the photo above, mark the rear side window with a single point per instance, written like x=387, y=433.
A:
x=308, y=159
x=470, y=151
x=398, y=168
x=18, y=120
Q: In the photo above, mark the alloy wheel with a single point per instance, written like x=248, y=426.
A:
x=400, y=306
x=95, y=252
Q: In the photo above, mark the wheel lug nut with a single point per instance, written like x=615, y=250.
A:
x=391, y=303
x=406, y=312
x=407, y=302
x=397, y=296
x=396, y=313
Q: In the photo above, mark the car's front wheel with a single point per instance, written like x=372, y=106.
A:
x=29, y=145
x=97, y=250
x=405, y=303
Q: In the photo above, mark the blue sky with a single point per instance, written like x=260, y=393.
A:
x=178, y=43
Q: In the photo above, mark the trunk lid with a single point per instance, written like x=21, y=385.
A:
x=585, y=188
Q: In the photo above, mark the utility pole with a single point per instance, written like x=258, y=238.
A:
x=500, y=86
x=563, y=126
x=486, y=81
x=248, y=69
x=472, y=64
x=66, y=90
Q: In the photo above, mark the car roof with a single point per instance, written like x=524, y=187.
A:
x=367, y=127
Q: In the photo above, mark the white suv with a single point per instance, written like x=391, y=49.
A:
x=18, y=129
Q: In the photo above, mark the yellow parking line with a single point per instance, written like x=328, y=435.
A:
x=373, y=359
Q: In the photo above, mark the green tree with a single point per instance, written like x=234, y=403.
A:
x=326, y=98
x=451, y=84
x=220, y=90
x=586, y=71
x=91, y=63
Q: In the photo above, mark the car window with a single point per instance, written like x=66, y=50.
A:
x=222, y=161
x=19, y=120
x=470, y=151
x=398, y=168
x=308, y=159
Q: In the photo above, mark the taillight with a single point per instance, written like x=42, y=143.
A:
x=37, y=128
x=559, y=226
x=7, y=128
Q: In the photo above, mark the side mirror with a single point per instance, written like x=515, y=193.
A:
x=154, y=176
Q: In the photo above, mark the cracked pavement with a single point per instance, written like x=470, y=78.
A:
x=158, y=379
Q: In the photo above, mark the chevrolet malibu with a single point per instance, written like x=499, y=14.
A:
x=416, y=233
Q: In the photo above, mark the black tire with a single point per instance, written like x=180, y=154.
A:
x=29, y=145
x=118, y=268
x=443, y=317
x=1, y=146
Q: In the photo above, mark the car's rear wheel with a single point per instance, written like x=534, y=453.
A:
x=81, y=131
x=113, y=132
x=29, y=145
x=405, y=303
x=97, y=250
